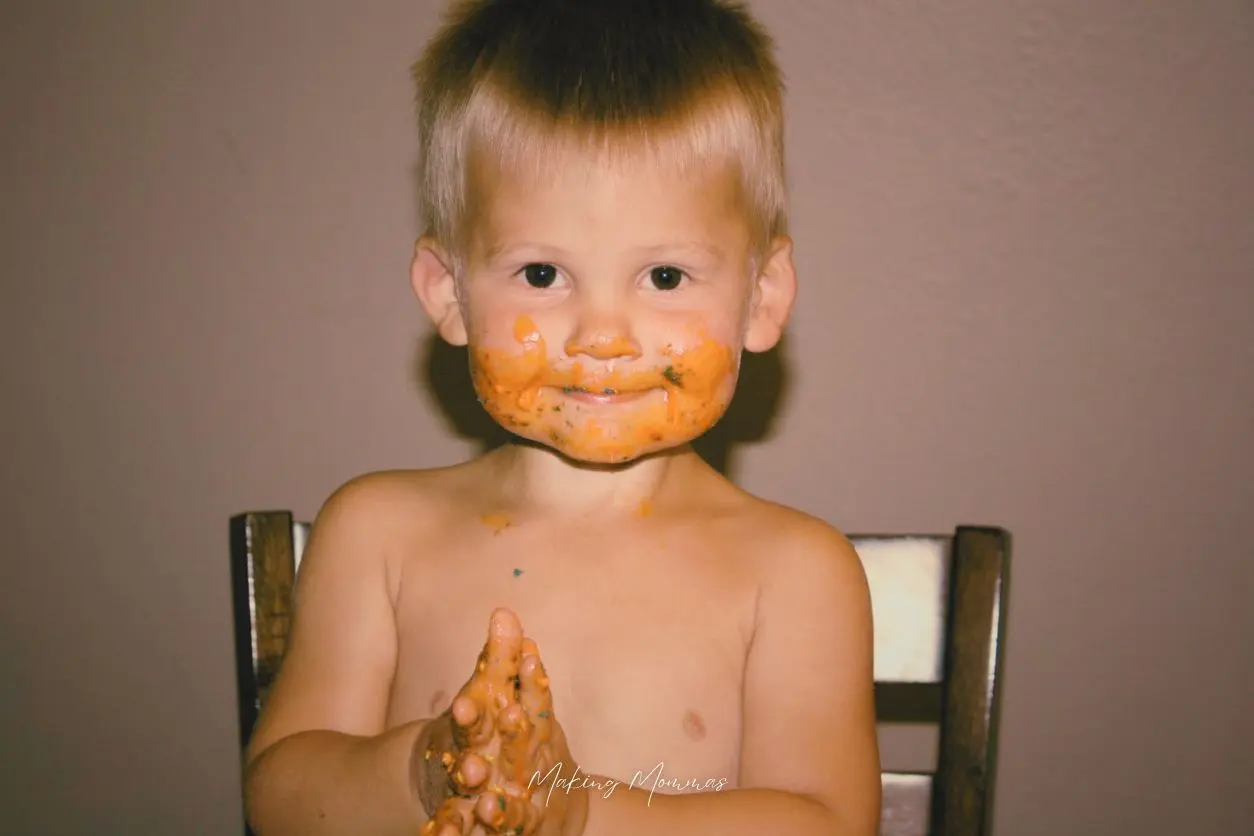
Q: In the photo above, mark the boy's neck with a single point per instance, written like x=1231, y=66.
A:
x=537, y=478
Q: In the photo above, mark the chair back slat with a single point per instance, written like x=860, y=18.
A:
x=263, y=574
x=908, y=578
x=973, y=656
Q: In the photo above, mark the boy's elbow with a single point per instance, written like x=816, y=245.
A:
x=255, y=780
x=832, y=819
x=257, y=762
x=269, y=786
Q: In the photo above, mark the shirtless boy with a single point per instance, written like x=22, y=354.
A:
x=604, y=189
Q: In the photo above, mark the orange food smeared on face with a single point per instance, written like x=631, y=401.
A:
x=496, y=522
x=647, y=409
x=644, y=509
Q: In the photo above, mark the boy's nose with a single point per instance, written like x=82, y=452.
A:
x=602, y=341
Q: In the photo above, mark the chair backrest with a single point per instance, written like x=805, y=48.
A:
x=939, y=604
x=266, y=547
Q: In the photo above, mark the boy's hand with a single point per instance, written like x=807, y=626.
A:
x=489, y=763
x=453, y=757
x=524, y=798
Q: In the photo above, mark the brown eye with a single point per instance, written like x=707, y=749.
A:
x=666, y=278
x=540, y=275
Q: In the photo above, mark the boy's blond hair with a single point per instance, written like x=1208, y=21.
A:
x=521, y=83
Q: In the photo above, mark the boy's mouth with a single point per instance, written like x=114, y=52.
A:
x=627, y=388
x=603, y=397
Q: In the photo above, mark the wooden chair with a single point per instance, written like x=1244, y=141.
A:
x=939, y=604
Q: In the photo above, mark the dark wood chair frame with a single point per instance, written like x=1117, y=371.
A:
x=955, y=800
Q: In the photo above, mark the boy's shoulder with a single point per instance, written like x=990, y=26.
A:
x=811, y=587
x=792, y=546
x=411, y=484
x=381, y=506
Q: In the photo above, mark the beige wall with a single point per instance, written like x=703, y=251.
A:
x=1026, y=241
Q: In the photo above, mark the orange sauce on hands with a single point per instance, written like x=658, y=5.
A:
x=525, y=394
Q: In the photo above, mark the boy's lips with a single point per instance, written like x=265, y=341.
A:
x=594, y=397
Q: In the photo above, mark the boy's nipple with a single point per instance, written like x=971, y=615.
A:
x=694, y=726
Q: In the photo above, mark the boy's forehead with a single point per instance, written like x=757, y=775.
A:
x=650, y=190
x=577, y=165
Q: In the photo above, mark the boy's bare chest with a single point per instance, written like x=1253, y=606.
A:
x=646, y=661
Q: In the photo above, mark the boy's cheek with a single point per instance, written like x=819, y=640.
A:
x=490, y=328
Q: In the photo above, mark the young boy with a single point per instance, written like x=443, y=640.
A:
x=604, y=185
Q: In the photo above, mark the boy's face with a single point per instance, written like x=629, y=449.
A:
x=606, y=308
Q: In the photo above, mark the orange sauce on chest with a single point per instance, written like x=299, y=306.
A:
x=496, y=522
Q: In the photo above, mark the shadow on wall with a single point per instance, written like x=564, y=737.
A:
x=442, y=371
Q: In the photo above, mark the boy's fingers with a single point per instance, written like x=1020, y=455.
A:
x=512, y=722
x=536, y=698
x=499, y=661
x=465, y=710
x=472, y=724
x=472, y=771
x=504, y=813
x=515, y=728
x=447, y=821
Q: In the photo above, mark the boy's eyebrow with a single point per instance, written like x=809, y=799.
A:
x=503, y=251
x=699, y=248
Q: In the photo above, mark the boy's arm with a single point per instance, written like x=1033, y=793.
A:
x=318, y=761
x=809, y=752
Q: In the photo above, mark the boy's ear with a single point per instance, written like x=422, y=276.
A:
x=436, y=288
x=774, y=290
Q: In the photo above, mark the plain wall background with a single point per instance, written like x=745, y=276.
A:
x=1025, y=234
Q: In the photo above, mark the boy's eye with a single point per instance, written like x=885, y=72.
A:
x=540, y=275
x=666, y=278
